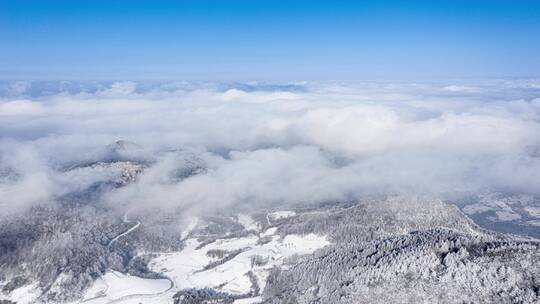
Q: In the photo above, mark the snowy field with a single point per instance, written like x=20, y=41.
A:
x=244, y=271
x=23, y=295
x=185, y=267
x=190, y=268
x=120, y=288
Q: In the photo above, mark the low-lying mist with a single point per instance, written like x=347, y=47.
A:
x=261, y=144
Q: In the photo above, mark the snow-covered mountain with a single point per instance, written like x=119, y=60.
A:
x=393, y=250
x=387, y=249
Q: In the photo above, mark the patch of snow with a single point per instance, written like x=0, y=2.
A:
x=277, y=215
x=507, y=216
x=115, y=286
x=533, y=211
x=23, y=295
x=270, y=231
x=186, y=267
x=476, y=208
x=98, y=289
x=190, y=225
x=248, y=222
x=302, y=244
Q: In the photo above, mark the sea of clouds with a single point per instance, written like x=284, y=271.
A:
x=264, y=144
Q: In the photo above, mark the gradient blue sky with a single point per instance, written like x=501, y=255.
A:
x=268, y=40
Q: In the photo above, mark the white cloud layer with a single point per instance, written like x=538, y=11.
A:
x=264, y=144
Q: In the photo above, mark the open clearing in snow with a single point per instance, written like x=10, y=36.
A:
x=115, y=286
x=186, y=267
x=197, y=268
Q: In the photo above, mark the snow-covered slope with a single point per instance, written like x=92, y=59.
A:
x=378, y=251
x=118, y=287
x=433, y=266
x=226, y=263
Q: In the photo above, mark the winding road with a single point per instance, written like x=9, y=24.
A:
x=103, y=294
x=126, y=220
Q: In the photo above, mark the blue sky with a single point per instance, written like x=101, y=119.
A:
x=268, y=40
